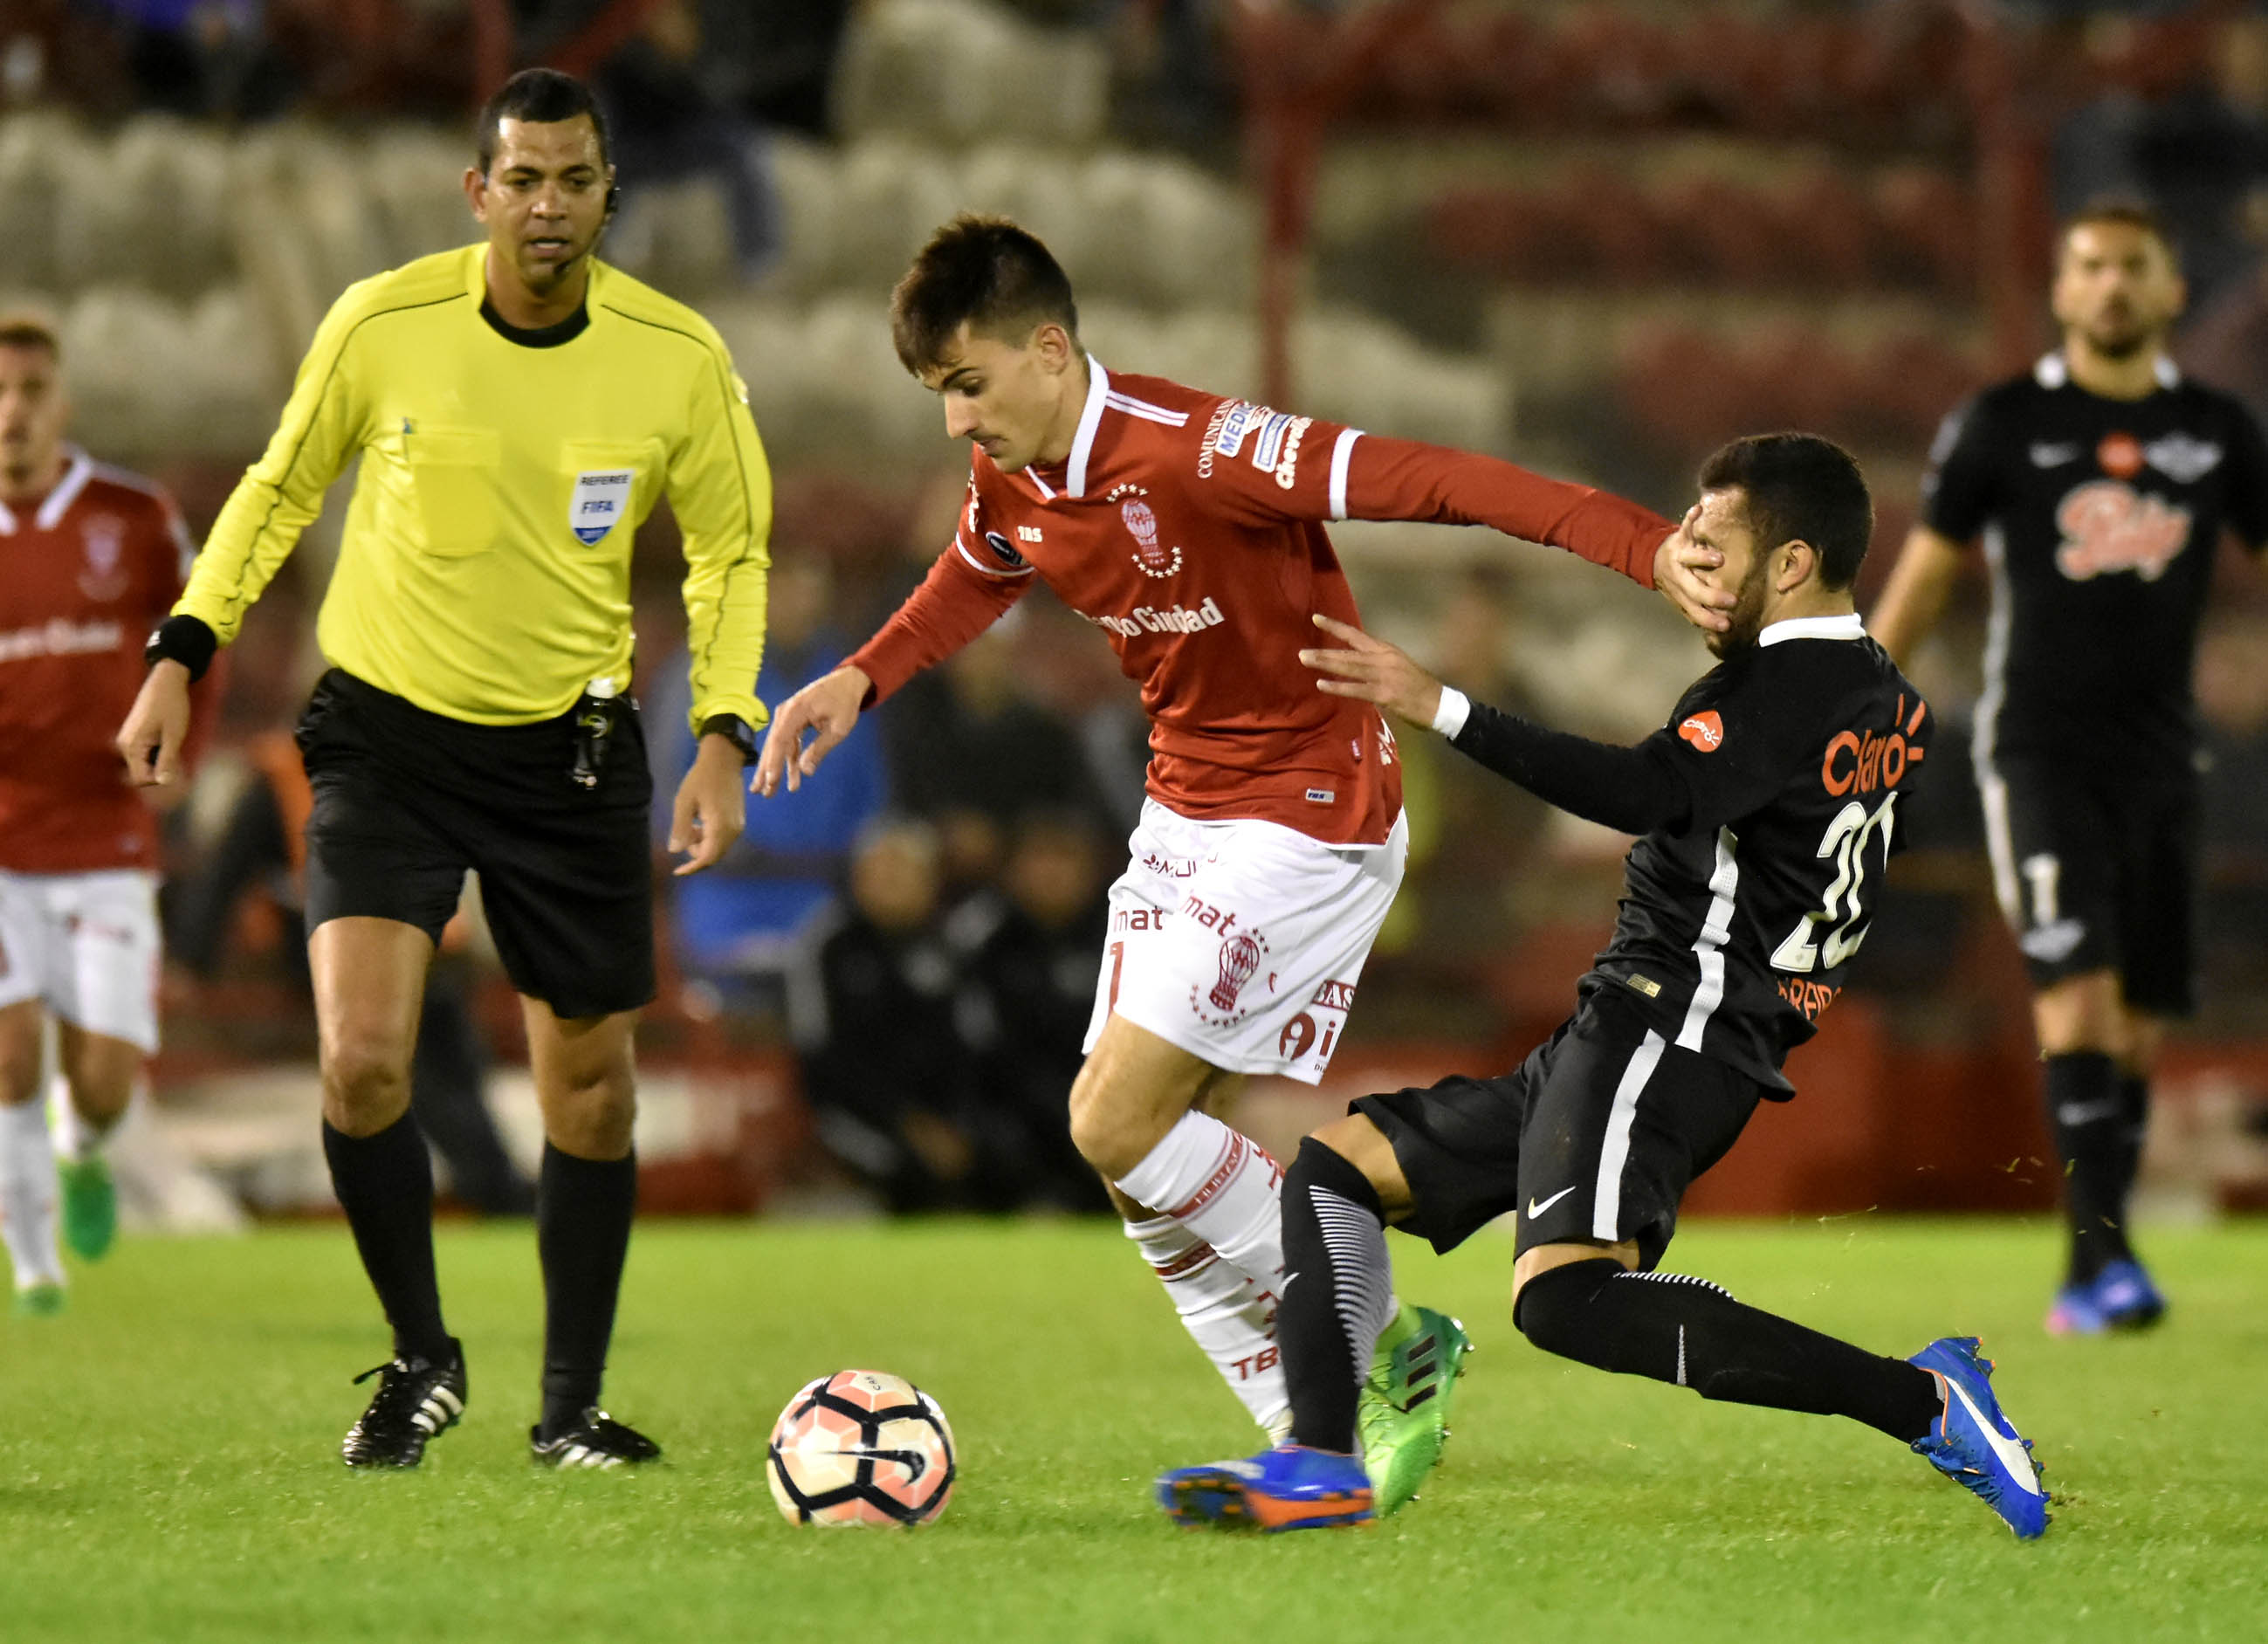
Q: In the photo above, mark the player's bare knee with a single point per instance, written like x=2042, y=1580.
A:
x=2081, y=1014
x=593, y=1114
x=1106, y=1136
x=21, y=1028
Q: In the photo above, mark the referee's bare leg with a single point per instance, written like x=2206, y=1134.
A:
x=587, y=1196
x=370, y=983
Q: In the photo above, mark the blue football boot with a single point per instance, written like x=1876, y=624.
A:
x=2125, y=1298
x=1289, y=1487
x=1973, y=1443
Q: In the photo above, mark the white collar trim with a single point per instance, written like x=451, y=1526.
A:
x=1847, y=626
x=57, y=502
x=2054, y=372
x=1090, y=420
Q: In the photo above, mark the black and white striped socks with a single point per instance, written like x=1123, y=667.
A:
x=1337, y=1294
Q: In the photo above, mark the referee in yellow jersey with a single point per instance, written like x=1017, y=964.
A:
x=516, y=407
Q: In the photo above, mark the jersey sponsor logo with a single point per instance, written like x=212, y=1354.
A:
x=601, y=497
x=2054, y=454
x=103, y=539
x=1287, y=466
x=60, y=636
x=1141, y=522
x=1705, y=730
x=1809, y=998
x=1232, y=422
x=1322, y=796
x=2120, y=455
x=1027, y=534
x=2182, y=459
x=1145, y=619
x=1335, y=996
x=2108, y=526
x=1008, y=556
x=1865, y=761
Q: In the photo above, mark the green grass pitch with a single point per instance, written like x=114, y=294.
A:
x=169, y=1470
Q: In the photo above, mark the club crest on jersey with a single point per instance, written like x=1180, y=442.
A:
x=600, y=498
x=2108, y=526
x=1705, y=730
x=2120, y=455
x=1154, y=558
x=2183, y=458
x=103, y=538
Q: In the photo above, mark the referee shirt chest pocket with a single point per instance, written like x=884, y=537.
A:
x=453, y=472
x=607, y=483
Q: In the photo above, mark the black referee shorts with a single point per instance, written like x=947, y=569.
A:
x=1592, y=1139
x=406, y=801
x=2096, y=864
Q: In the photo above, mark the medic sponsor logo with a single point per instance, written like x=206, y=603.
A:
x=1180, y=619
x=1232, y=422
x=2108, y=526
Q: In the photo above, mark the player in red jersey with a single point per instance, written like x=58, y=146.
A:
x=94, y=559
x=1190, y=529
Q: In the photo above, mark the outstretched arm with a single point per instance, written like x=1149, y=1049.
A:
x=1915, y=596
x=1633, y=789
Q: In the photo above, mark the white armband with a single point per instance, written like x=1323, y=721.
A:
x=1455, y=709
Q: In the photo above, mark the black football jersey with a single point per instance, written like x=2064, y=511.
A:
x=2100, y=519
x=1736, y=927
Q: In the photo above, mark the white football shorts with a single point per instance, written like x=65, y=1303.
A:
x=1242, y=941
x=87, y=945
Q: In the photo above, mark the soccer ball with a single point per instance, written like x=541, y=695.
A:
x=861, y=1447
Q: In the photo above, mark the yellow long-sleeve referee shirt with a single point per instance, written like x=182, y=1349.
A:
x=484, y=571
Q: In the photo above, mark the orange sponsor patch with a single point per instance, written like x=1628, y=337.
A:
x=2120, y=455
x=1705, y=730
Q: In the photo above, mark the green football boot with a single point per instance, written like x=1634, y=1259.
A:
x=39, y=1302
x=90, y=1205
x=1403, y=1416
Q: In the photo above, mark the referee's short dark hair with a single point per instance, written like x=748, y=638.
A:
x=983, y=272
x=543, y=95
x=1800, y=488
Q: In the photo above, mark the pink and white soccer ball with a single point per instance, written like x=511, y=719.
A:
x=861, y=1447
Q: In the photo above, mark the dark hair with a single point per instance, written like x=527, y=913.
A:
x=30, y=330
x=1800, y=488
x=2123, y=210
x=543, y=95
x=983, y=272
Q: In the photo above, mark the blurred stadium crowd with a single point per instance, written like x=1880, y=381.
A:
x=1596, y=237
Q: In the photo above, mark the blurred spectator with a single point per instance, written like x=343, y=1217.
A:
x=666, y=123
x=2228, y=343
x=892, y=1088
x=972, y=753
x=201, y=58
x=261, y=847
x=2232, y=692
x=745, y=923
x=1030, y=994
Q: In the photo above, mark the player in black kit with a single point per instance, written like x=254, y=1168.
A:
x=2101, y=482
x=1768, y=809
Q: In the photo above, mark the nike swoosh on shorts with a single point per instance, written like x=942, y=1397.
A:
x=1536, y=1209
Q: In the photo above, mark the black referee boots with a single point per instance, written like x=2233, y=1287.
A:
x=596, y=1440
x=417, y=1400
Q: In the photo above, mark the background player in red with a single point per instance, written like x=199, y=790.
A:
x=1189, y=529
x=93, y=557
x=2101, y=482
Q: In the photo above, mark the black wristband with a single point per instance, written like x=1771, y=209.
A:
x=185, y=640
x=734, y=730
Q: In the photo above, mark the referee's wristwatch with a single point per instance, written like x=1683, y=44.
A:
x=734, y=730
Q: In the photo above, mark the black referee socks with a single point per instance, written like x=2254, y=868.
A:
x=583, y=1212
x=1692, y=1333
x=1336, y=1296
x=2089, y=1111
x=385, y=1184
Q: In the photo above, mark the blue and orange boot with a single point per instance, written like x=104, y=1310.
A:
x=1289, y=1487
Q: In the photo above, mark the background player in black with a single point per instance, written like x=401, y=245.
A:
x=2101, y=482
x=1768, y=808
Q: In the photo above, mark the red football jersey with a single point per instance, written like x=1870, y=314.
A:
x=89, y=571
x=1189, y=529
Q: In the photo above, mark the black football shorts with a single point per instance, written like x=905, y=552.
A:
x=406, y=801
x=1592, y=1139
x=2095, y=867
